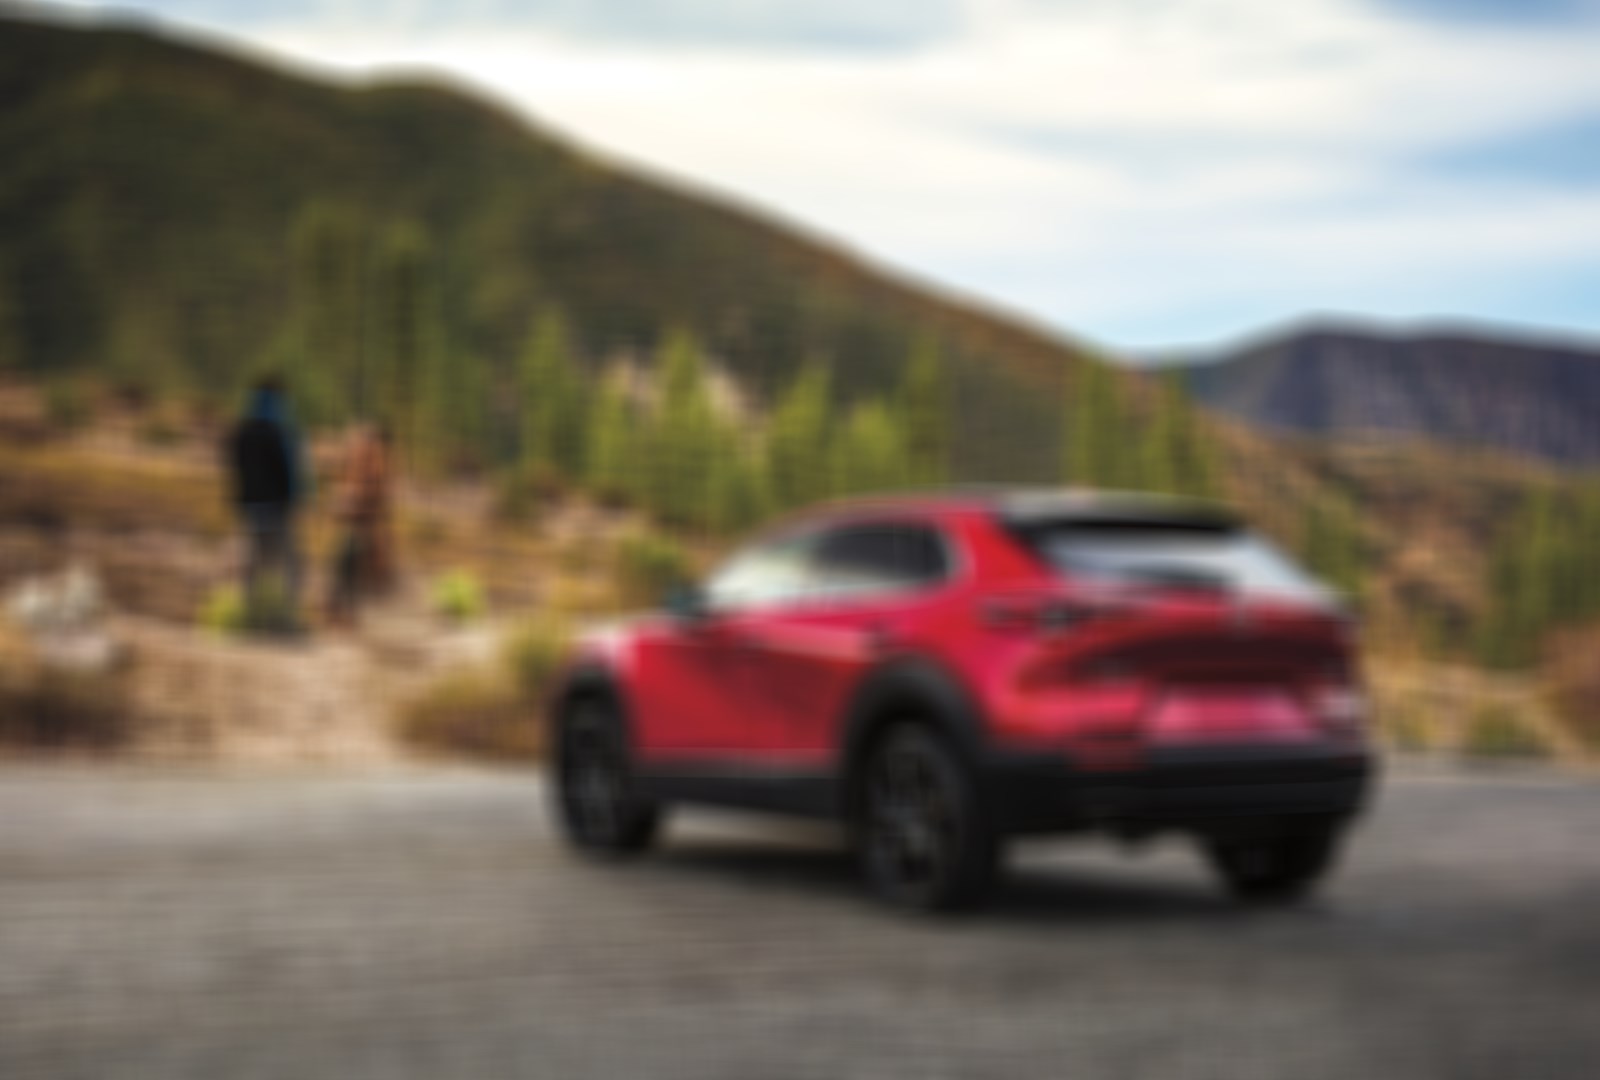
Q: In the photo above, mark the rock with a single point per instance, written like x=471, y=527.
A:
x=55, y=604
x=85, y=652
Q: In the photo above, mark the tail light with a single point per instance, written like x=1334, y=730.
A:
x=1338, y=700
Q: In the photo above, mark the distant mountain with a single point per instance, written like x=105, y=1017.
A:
x=1478, y=389
x=151, y=190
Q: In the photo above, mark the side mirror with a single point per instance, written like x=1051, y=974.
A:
x=687, y=602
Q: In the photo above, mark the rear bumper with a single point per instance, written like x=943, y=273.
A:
x=1190, y=788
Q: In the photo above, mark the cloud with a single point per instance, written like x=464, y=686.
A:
x=815, y=24
x=1142, y=171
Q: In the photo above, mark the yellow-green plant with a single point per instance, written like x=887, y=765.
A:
x=223, y=611
x=458, y=595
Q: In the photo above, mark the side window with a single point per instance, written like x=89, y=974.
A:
x=863, y=558
x=772, y=572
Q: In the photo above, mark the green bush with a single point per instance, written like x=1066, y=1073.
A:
x=649, y=565
x=459, y=595
x=226, y=610
x=223, y=611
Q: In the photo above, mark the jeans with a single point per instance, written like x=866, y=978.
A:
x=270, y=528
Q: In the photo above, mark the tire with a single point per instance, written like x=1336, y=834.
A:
x=1275, y=868
x=924, y=838
x=597, y=804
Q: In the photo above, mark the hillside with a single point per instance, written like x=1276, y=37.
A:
x=154, y=191
x=145, y=517
x=174, y=219
x=1483, y=390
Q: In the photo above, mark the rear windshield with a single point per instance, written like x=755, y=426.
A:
x=1203, y=555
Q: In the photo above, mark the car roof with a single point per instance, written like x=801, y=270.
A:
x=1025, y=505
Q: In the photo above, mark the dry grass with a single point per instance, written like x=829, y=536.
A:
x=1572, y=675
x=473, y=714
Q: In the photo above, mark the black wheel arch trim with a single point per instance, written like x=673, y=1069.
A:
x=586, y=680
x=911, y=685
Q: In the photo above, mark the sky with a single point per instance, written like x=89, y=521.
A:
x=1145, y=174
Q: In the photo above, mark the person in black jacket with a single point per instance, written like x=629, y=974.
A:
x=270, y=484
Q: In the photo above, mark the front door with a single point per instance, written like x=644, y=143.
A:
x=703, y=706
x=867, y=588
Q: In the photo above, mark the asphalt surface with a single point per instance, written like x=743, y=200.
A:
x=296, y=926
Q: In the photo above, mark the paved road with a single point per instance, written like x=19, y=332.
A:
x=423, y=924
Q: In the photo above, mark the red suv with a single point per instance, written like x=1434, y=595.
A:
x=942, y=672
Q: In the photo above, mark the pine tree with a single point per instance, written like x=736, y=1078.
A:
x=408, y=380
x=1585, y=553
x=1174, y=454
x=553, y=397
x=683, y=440
x=737, y=492
x=1158, y=446
x=408, y=342
x=924, y=407
x=1331, y=546
x=871, y=453
x=328, y=287
x=11, y=345
x=1523, y=573
x=612, y=463
x=1097, y=429
x=799, y=438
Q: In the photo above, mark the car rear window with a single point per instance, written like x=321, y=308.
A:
x=1180, y=554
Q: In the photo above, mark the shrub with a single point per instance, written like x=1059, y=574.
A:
x=165, y=427
x=535, y=652
x=475, y=714
x=66, y=404
x=459, y=595
x=429, y=531
x=223, y=611
x=1403, y=728
x=1496, y=732
x=578, y=557
x=521, y=492
x=226, y=610
x=650, y=564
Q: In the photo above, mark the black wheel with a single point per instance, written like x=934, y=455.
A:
x=923, y=836
x=596, y=801
x=1274, y=868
